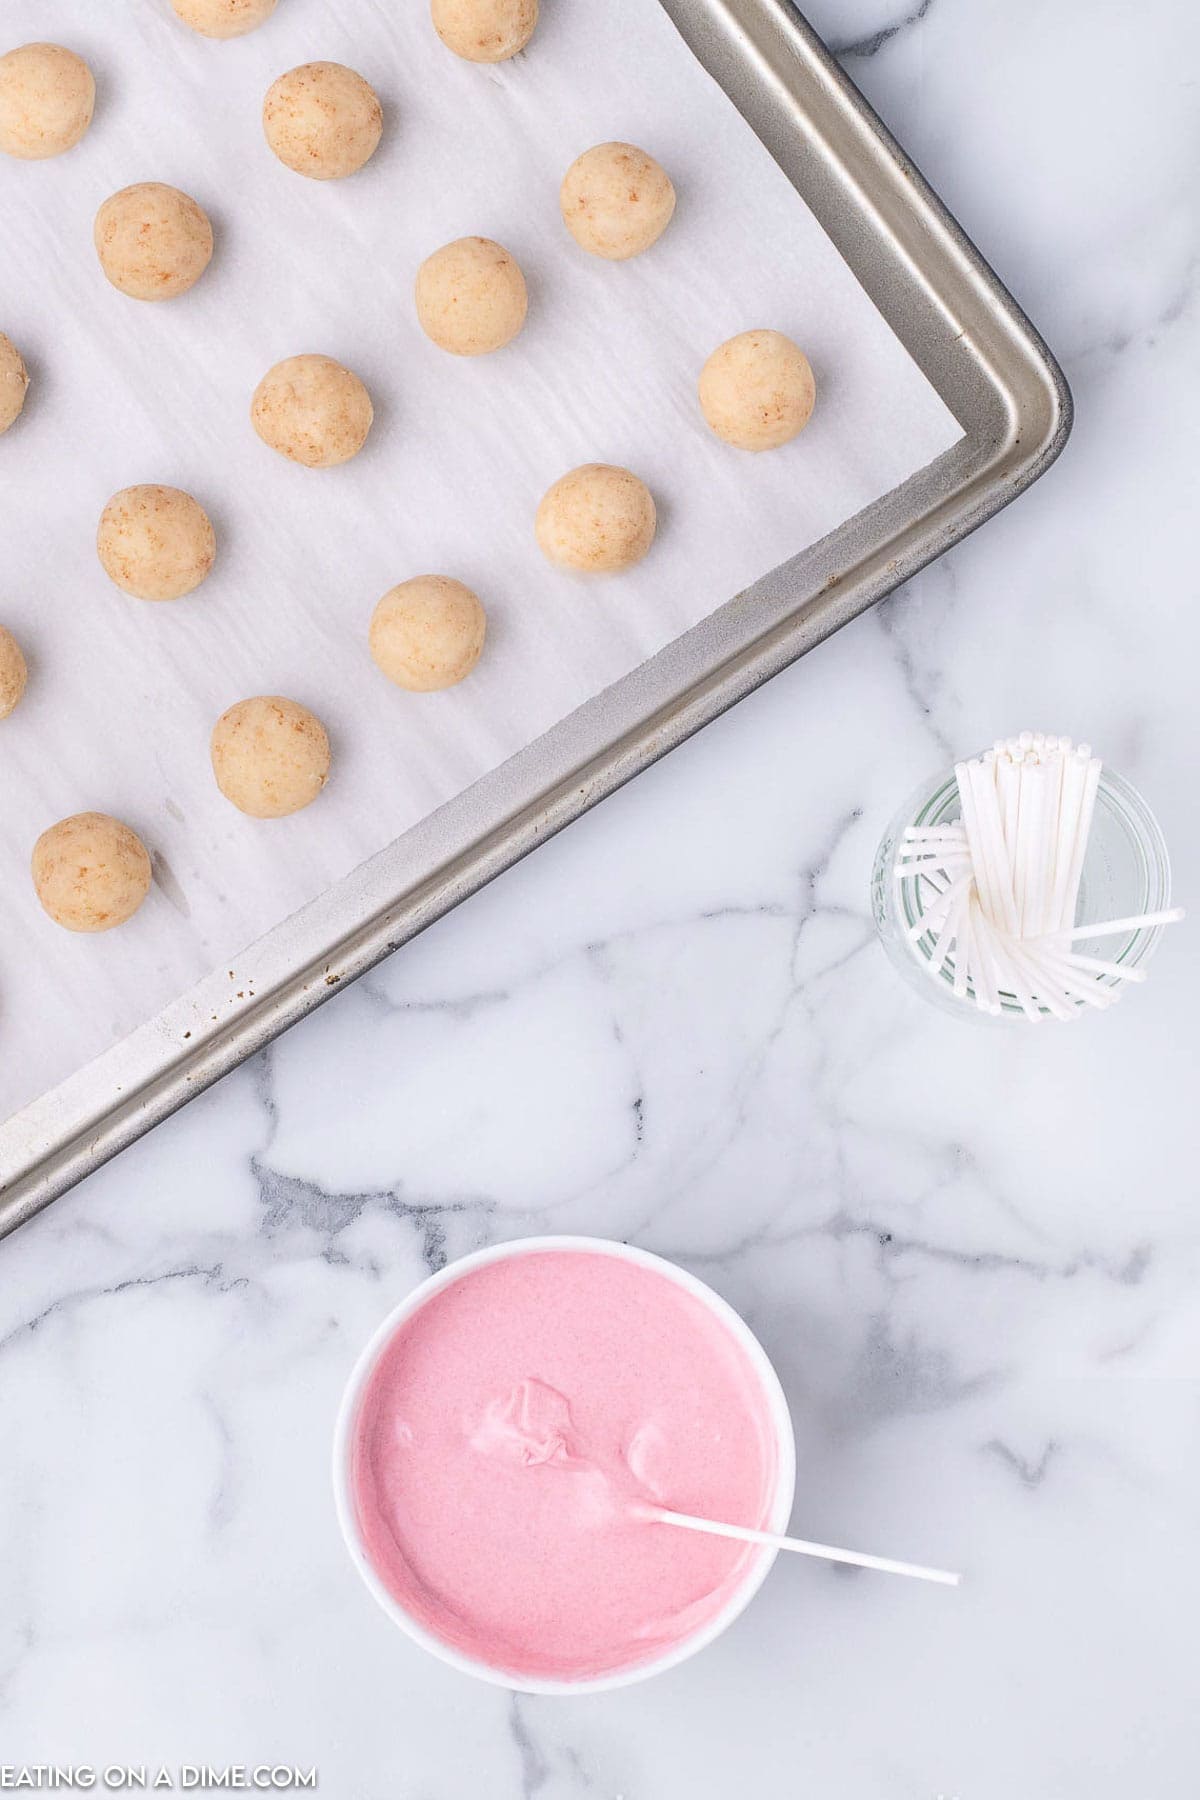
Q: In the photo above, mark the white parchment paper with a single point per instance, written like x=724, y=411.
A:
x=123, y=694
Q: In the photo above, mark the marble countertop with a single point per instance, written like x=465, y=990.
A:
x=972, y=1253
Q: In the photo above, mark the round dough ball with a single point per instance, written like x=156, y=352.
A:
x=270, y=756
x=757, y=390
x=616, y=201
x=471, y=297
x=153, y=242
x=90, y=872
x=597, y=519
x=156, y=543
x=322, y=120
x=14, y=382
x=428, y=633
x=312, y=410
x=46, y=100
x=13, y=673
x=485, y=31
x=224, y=18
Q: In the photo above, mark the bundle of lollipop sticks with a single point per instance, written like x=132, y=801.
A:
x=998, y=889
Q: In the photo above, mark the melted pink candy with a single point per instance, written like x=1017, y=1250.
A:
x=507, y=1436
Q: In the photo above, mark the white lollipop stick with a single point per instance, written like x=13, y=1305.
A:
x=937, y=880
x=912, y=859
x=950, y=846
x=932, y=917
x=1083, y=831
x=1118, y=971
x=1043, y=826
x=1029, y=827
x=983, y=872
x=962, y=950
x=1008, y=783
x=991, y=826
x=1111, y=927
x=747, y=1534
x=1054, y=846
x=947, y=936
x=1070, y=817
x=987, y=991
x=1042, y=986
x=935, y=872
x=1008, y=975
x=1078, y=984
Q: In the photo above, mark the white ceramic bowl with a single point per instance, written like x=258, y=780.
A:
x=756, y=1568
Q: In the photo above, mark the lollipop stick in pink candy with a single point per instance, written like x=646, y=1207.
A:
x=747, y=1534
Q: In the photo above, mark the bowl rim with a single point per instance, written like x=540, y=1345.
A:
x=757, y=1568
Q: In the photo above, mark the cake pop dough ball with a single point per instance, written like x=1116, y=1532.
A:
x=153, y=241
x=13, y=673
x=322, y=120
x=616, y=201
x=14, y=382
x=156, y=543
x=46, y=100
x=428, y=633
x=485, y=31
x=597, y=519
x=757, y=390
x=270, y=756
x=312, y=411
x=224, y=18
x=90, y=872
x=471, y=297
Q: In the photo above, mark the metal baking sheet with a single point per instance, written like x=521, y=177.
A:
x=976, y=350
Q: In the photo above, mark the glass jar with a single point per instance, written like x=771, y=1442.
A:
x=1126, y=872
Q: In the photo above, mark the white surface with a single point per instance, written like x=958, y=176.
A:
x=973, y=1254
x=123, y=694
